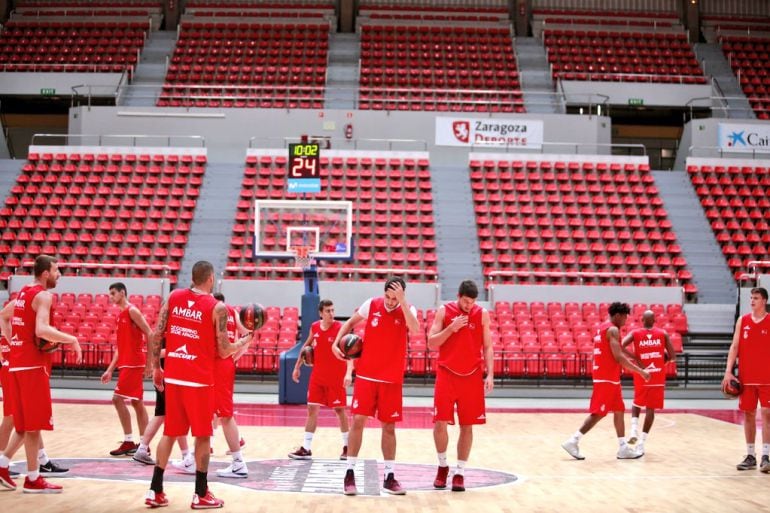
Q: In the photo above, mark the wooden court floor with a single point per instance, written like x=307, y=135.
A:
x=689, y=466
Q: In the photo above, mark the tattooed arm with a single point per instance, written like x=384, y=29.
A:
x=224, y=347
x=155, y=342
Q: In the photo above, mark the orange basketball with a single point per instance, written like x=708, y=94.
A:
x=252, y=316
x=733, y=389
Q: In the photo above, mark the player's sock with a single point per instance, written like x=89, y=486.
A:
x=5, y=461
x=460, y=467
x=750, y=449
x=576, y=436
x=644, y=436
x=308, y=440
x=186, y=454
x=156, y=484
x=634, y=423
x=345, y=438
x=32, y=475
x=237, y=457
x=765, y=450
x=442, y=459
x=390, y=467
x=143, y=447
x=621, y=441
x=352, y=462
x=129, y=437
x=201, y=483
x=42, y=458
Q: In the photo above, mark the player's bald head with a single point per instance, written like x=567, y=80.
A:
x=648, y=318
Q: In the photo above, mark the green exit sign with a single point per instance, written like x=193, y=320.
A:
x=47, y=91
x=636, y=101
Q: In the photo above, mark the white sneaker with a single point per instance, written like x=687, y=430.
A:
x=143, y=457
x=640, y=449
x=572, y=448
x=628, y=453
x=634, y=437
x=238, y=469
x=186, y=465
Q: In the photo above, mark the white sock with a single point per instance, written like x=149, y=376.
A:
x=129, y=437
x=345, y=438
x=576, y=436
x=390, y=467
x=442, y=459
x=185, y=454
x=42, y=457
x=750, y=450
x=644, y=436
x=5, y=462
x=308, y=441
x=237, y=458
x=142, y=447
x=765, y=449
x=460, y=467
x=33, y=475
x=352, y=462
x=621, y=441
x=634, y=423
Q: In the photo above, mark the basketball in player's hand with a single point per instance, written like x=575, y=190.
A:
x=47, y=346
x=253, y=316
x=351, y=346
x=732, y=389
x=308, y=356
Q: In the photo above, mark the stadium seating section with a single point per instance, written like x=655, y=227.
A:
x=749, y=57
x=393, y=224
x=86, y=208
x=573, y=216
x=734, y=198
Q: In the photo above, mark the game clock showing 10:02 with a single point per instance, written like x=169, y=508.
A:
x=304, y=160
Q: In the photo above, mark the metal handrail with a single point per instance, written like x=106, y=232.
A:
x=755, y=154
x=125, y=140
x=591, y=147
x=584, y=274
x=128, y=267
x=367, y=270
x=336, y=142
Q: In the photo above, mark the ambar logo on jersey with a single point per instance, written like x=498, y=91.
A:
x=187, y=313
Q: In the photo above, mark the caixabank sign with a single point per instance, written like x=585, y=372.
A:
x=736, y=137
x=518, y=133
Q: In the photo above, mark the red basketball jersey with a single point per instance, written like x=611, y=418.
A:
x=24, y=352
x=650, y=347
x=5, y=349
x=754, y=351
x=130, y=341
x=328, y=370
x=605, y=368
x=384, y=354
x=227, y=363
x=190, y=338
x=461, y=353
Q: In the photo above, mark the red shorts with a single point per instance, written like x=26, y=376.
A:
x=5, y=384
x=605, y=398
x=31, y=400
x=326, y=395
x=224, y=386
x=747, y=401
x=649, y=396
x=467, y=392
x=384, y=399
x=130, y=383
x=189, y=408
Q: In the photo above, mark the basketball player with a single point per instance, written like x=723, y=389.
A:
x=29, y=315
x=224, y=387
x=327, y=381
x=380, y=372
x=129, y=358
x=652, y=349
x=461, y=334
x=194, y=327
x=607, y=395
x=751, y=347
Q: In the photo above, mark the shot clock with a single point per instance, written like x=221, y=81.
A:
x=304, y=168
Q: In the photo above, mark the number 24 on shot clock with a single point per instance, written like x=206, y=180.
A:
x=304, y=168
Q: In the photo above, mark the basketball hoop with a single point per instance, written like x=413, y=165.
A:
x=302, y=257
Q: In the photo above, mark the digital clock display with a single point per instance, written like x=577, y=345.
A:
x=304, y=160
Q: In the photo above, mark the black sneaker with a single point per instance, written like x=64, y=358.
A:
x=13, y=473
x=51, y=469
x=764, y=467
x=748, y=463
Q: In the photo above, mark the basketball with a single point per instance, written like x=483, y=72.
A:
x=308, y=355
x=47, y=346
x=252, y=316
x=733, y=389
x=351, y=346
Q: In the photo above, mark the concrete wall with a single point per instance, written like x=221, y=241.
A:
x=652, y=95
x=228, y=131
x=101, y=84
x=703, y=135
x=582, y=294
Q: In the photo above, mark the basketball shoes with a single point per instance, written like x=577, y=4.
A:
x=571, y=446
x=51, y=469
x=186, y=464
x=441, y=475
x=349, y=487
x=626, y=452
x=40, y=485
x=155, y=499
x=208, y=501
x=125, y=448
x=748, y=463
x=344, y=453
x=5, y=480
x=143, y=457
x=764, y=467
x=458, y=483
x=235, y=469
x=301, y=454
x=392, y=486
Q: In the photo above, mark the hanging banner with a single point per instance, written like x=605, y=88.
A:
x=518, y=133
x=739, y=137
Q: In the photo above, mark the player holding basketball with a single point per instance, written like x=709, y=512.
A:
x=751, y=348
x=380, y=375
x=327, y=381
x=224, y=387
x=607, y=395
x=652, y=348
x=194, y=327
x=132, y=329
x=30, y=319
x=461, y=334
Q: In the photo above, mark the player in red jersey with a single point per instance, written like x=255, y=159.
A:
x=652, y=349
x=751, y=348
x=132, y=330
x=24, y=321
x=607, y=395
x=327, y=381
x=379, y=375
x=194, y=327
x=461, y=334
x=224, y=387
